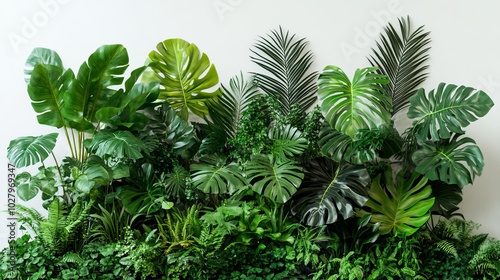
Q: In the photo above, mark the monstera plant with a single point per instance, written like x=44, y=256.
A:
x=95, y=116
x=360, y=131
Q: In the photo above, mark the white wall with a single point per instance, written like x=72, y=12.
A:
x=465, y=45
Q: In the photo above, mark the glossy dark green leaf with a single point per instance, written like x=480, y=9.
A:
x=453, y=161
x=41, y=56
x=28, y=150
x=276, y=180
x=214, y=176
x=328, y=190
x=287, y=142
x=120, y=144
x=446, y=110
x=27, y=186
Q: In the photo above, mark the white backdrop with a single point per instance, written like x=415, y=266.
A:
x=465, y=45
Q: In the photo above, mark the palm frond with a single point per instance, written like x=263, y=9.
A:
x=287, y=62
x=401, y=55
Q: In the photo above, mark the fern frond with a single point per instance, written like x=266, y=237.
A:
x=447, y=247
x=29, y=217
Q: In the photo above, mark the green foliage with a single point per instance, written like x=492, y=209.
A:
x=178, y=229
x=28, y=150
x=286, y=63
x=330, y=189
x=213, y=176
x=186, y=76
x=276, y=180
x=350, y=106
x=287, y=142
x=400, y=205
x=401, y=55
x=111, y=226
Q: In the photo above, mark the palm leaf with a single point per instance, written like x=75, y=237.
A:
x=453, y=161
x=214, y=176
x=401, y=206
x=120, y=144
x=446, y=110
x=28, y=150
x=278, y=180
x=328, y=190
x=287, y=63
x=351, y=106
x=93, y=87
x=287, y=142
x=186, y=76
x=401, y=55
x=226, y=112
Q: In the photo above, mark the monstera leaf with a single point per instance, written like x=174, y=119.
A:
x=46, y=88
x=286, y=62
x=94, y=86
x=453, y=161
x=401, y=206
x=401, y=55
x=28, y=150
x=41, y=56
x=328, y=190
x=226, y=112
x=446, y=110
x=120, y=144
x=276, y=180
x=447, y=198
x=186, y=76
x=214, y=176
x=287, y=142
x=349, y=106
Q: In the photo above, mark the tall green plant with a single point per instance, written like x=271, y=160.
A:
x=286, y=63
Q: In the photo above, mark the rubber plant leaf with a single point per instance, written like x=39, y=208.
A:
x=330, y=192
x=401, y=206
x=213, y=176
x=453, y=161
x=276, y=180
x=446, y=110
x=349, y=106
x=186, y=76
x=28, y=150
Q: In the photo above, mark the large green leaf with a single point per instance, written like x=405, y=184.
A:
x=287, y=142
x=401, y=55
x=167, y=127
x=276, y=180
x=401, y=206
x=328, y=190
x=95, y=86
x=186, y=76
x=41, y=56
x=453, y=161
x=141, y=195
x=174, y=182
x=214, y=176
x=47, y=87
x=27, y=186
x=351, y=106
x=120, y=144
x=28, y=150
x=446, y=110
x=227, y=110
x=286, y=63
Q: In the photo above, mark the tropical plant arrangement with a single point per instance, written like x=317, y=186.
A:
x=267, y=185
